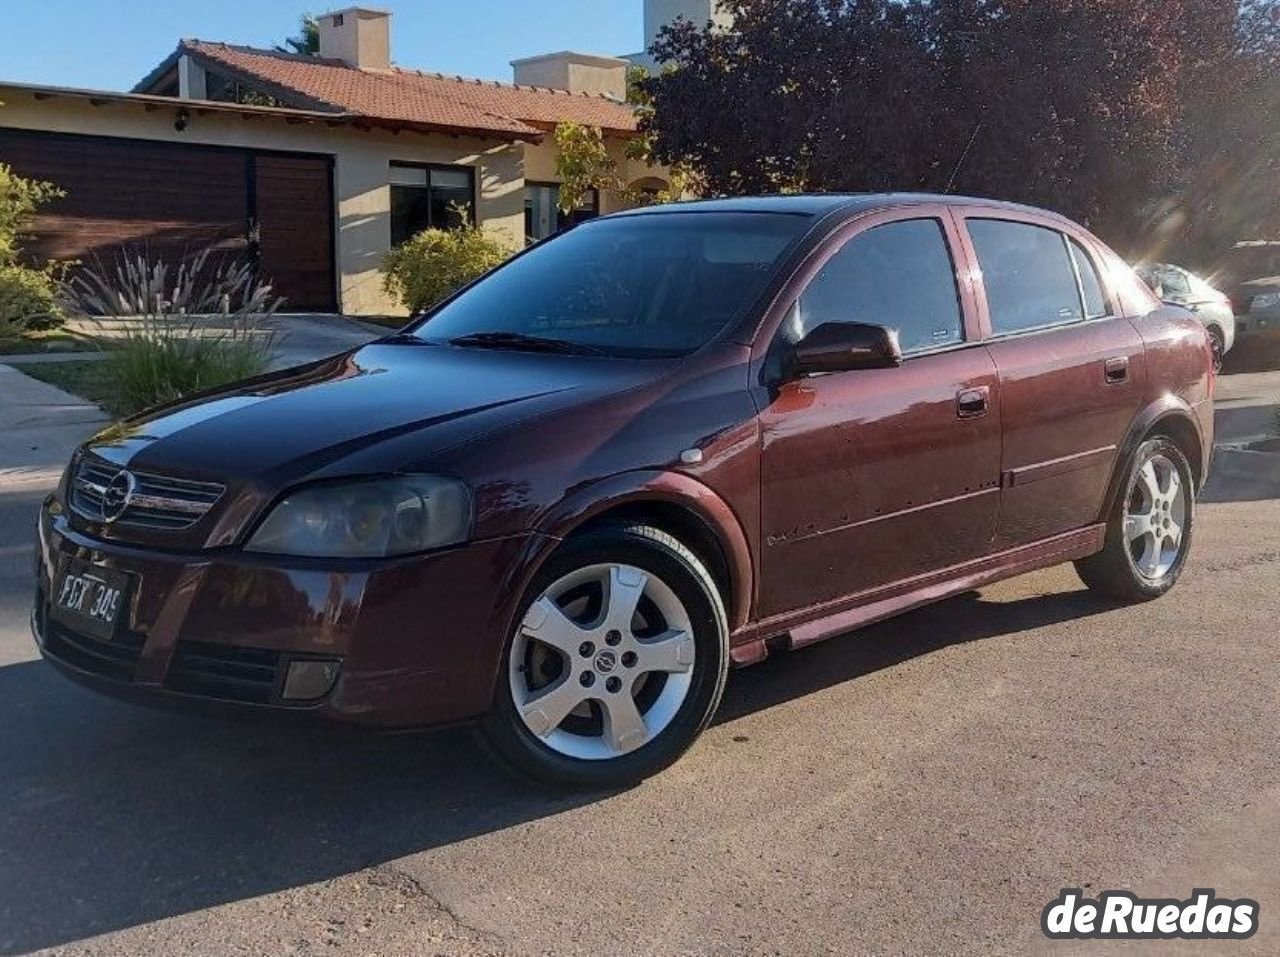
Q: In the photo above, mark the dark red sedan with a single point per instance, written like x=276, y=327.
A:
x=565, y=502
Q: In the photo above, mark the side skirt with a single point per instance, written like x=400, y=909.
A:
x=797, y=629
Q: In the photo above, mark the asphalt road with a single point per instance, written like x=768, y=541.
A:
x=924, y=786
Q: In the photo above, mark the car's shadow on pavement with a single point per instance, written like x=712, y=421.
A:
x=970, y=617
x=112, y=815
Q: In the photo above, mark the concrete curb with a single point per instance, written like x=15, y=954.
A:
x=40, y=426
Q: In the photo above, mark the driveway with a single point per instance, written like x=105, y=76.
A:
x=923, y=786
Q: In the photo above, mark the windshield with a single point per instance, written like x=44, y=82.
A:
x=658, y=285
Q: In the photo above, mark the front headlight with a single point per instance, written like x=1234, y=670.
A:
x=372, y=518
x=1266, y=302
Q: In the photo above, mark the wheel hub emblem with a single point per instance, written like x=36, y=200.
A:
x=117, y=496
x=606, y=661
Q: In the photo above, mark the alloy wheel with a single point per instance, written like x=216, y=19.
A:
x=602, y=661
x=1155, y=516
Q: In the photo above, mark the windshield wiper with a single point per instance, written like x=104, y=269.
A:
x=518, y=340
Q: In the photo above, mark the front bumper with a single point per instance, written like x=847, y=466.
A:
x=419, y=640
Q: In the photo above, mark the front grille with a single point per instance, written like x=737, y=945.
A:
x=225, y=671
x=156, y=501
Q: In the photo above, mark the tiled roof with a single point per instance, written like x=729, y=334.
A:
x=427, y=99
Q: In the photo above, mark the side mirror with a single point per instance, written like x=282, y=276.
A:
x=843, y=346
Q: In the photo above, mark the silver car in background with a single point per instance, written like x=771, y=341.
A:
x=1180, y=287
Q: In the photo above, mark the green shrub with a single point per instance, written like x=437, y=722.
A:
x=19, y=200
x=425, y=269
x=28, y=300
x=27, y=295
x=158, y=360
x=170, y=331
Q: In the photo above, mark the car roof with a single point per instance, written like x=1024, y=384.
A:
x=818, y=204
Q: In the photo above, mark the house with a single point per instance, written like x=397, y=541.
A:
x=315, y=166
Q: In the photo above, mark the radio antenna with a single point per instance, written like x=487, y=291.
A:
x=963, y=156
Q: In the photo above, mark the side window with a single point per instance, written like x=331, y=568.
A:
x=1095, y=301
x=898, y=275
x=1028, y=275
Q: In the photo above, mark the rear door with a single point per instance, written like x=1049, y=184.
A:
x=872, y=477
x=1070, y=366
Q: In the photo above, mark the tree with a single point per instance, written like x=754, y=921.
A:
x=584, y=163
x=307, y=42
x=1113, y=111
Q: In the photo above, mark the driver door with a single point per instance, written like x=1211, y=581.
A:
x=873, y=477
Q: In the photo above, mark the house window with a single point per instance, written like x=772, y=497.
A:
x=542, y=215
x=430, y=197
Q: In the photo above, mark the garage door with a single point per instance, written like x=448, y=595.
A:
x=172, y=200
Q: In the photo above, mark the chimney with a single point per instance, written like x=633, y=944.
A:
x=358, y=36
x=575, y=72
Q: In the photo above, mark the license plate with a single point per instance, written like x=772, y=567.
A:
x=90, y=599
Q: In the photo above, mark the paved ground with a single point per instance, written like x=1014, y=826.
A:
x=922, y=787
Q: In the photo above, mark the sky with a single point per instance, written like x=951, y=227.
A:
x=111, y=44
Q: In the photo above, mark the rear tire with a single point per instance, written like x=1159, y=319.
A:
x=1149, y=528
x=615, y=665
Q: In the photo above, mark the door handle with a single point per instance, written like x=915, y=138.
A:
x=1116, y=370
x=971, y=403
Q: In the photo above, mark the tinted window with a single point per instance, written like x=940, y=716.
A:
x=438, y=197
x=1095, y=302
x=662, y=284
x=898, y=275
x=1028, y=275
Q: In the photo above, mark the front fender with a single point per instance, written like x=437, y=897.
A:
x=673, y=488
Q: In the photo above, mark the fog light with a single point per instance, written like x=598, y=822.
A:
x=311, y=679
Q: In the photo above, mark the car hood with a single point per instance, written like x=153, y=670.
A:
x=307, y=422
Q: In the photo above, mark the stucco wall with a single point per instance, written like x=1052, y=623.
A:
x=361, y=170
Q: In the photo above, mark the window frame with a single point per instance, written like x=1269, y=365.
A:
x=474, y=205
x=562, y=219
x=769, y=335
x=1067, y=231
x=1107, y=306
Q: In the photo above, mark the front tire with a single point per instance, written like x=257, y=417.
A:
x=1149, y=528
x=616, y=663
